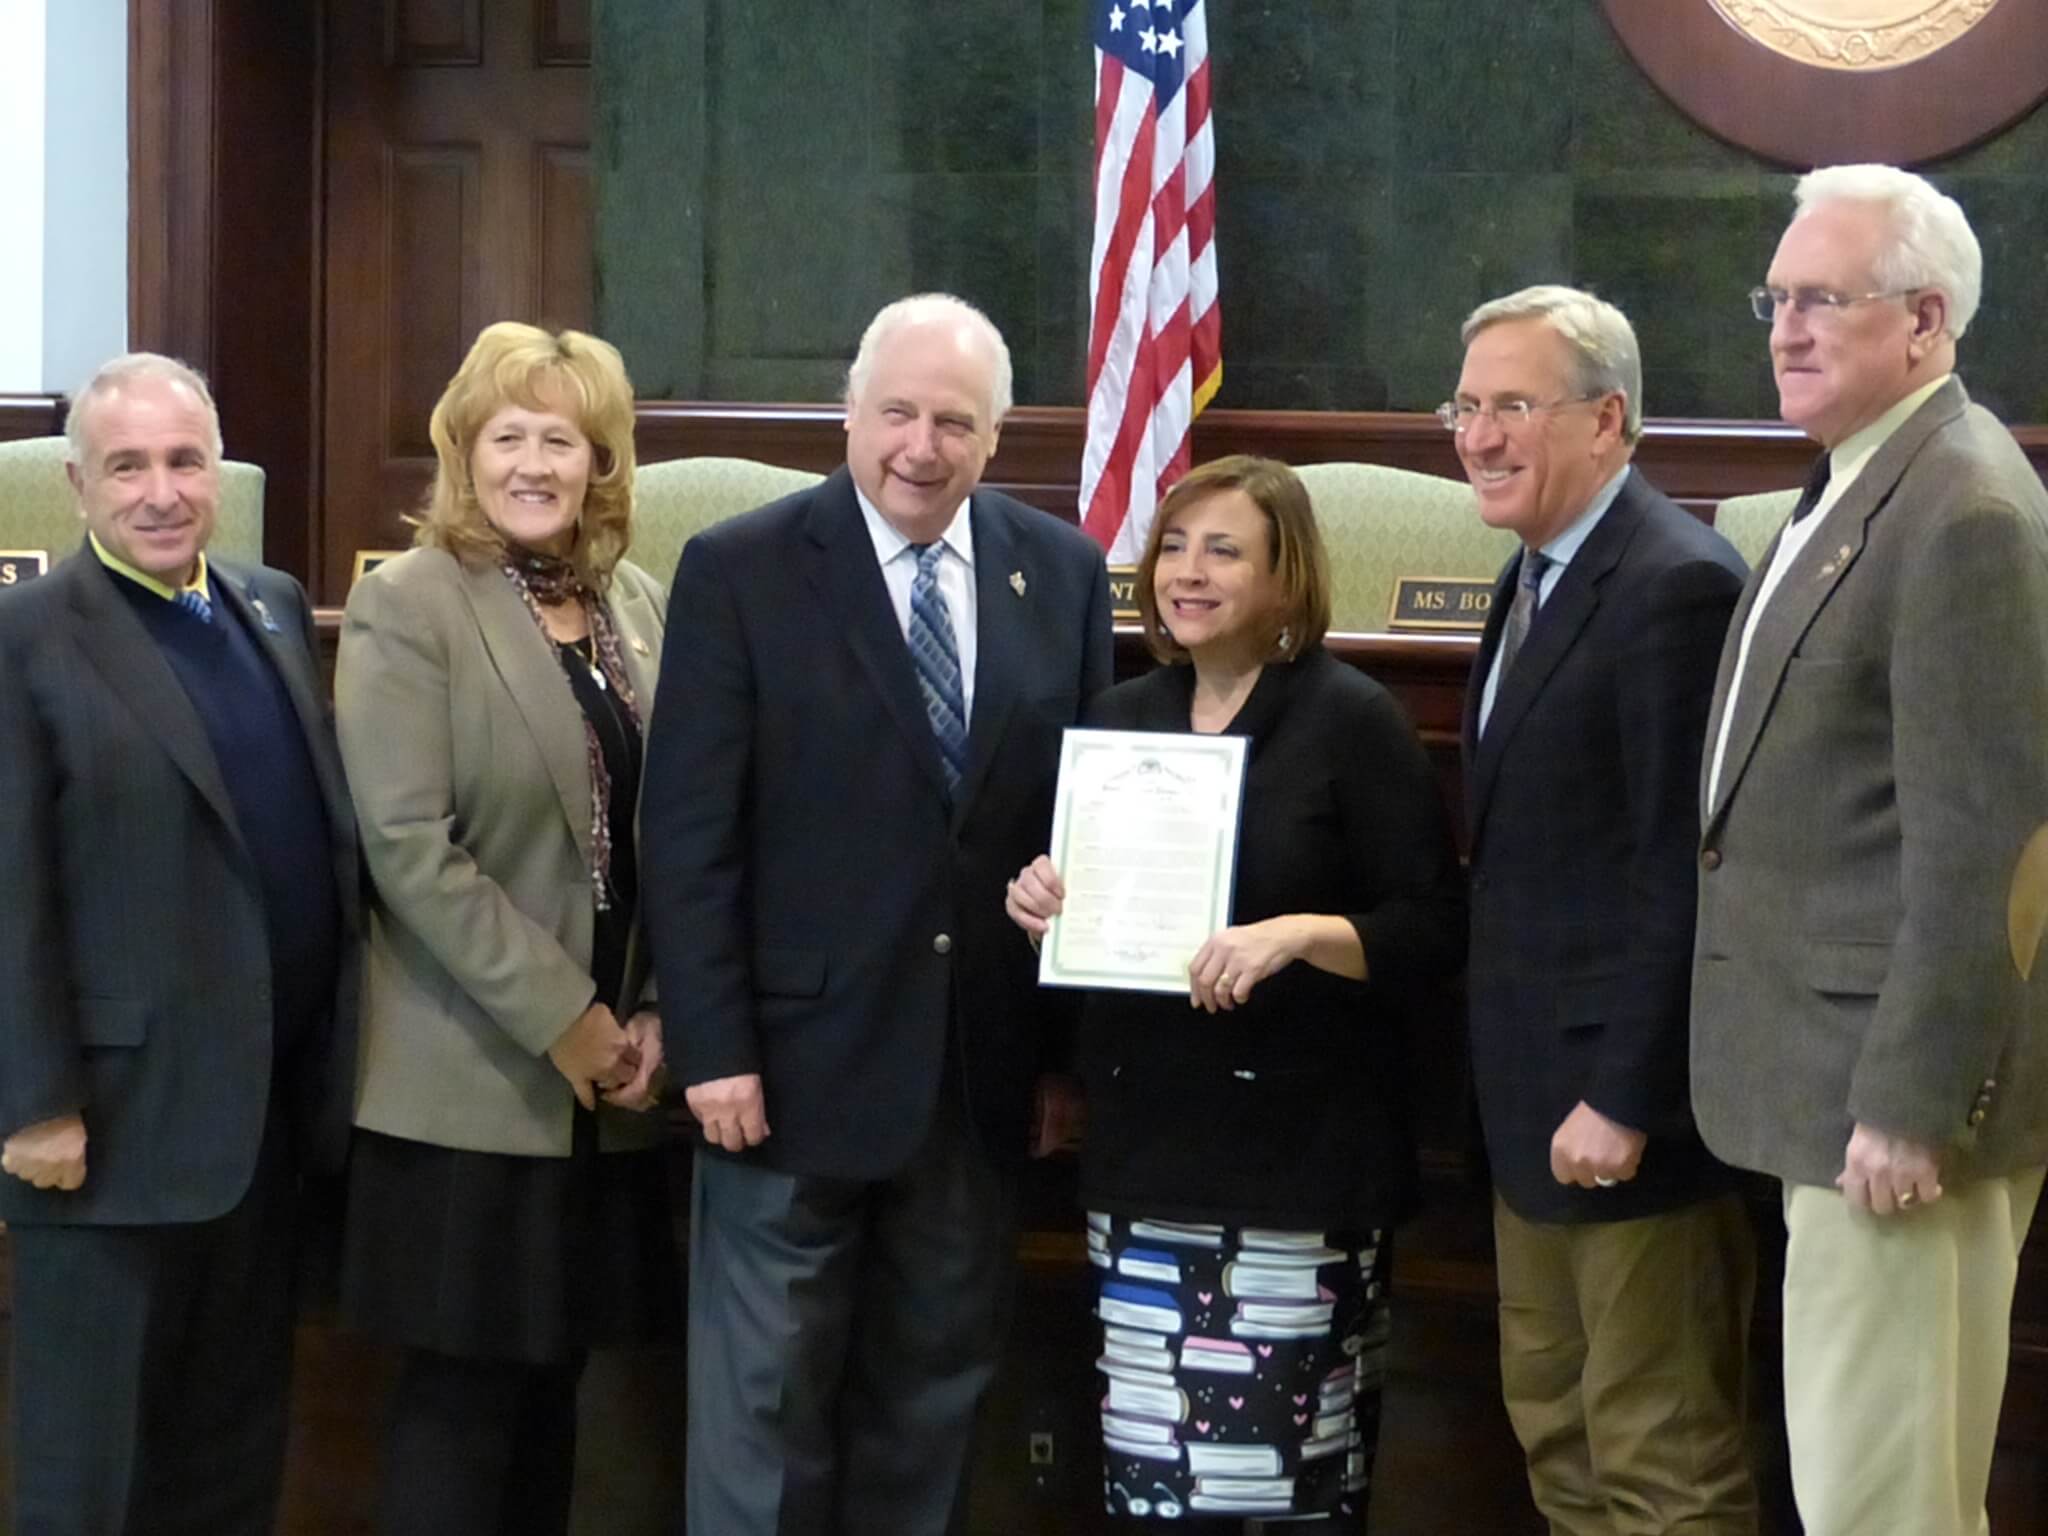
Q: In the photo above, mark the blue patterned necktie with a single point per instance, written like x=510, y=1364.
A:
x=937, y=660
x=1528, y=598
x=194, y=602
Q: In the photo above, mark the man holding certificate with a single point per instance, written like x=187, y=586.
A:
x=1247, y=1151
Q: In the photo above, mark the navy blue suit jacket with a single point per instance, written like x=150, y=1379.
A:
x=821, y=912
x=1583, y=799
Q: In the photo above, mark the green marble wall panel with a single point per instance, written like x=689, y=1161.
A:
x=771, y=171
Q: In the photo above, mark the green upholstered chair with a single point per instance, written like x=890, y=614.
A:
x=1751, y=522
x=38, y=511
x=1381, y=524
x=678, y=497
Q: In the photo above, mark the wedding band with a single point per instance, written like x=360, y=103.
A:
x=1604, y=1182
x=1910, y=1198
x=1223, y=980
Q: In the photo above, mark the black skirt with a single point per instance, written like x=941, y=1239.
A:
x=497, y=1257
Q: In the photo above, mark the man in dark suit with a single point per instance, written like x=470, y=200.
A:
x=854, y=746
x=1626, y=1263
x=177, y=984
x=1870, y=1014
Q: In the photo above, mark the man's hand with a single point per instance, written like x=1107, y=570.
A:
x=643, y=1033
x=1592, y=1151
x=49, y=1154
x=1059, y=1114
x=1884, y=1173
x=731, y=1111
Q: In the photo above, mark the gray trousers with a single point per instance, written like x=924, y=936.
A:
x=841, y=1335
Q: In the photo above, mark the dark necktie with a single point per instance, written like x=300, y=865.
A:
x=937, y=659
x=1816, y=486
x=1522, y=613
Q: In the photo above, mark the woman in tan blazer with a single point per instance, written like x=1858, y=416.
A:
x=507, y=1205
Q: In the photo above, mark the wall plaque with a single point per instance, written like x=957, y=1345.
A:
x=367, y=560
x=1829, y=82
x=1441, y=602
x=19, y=565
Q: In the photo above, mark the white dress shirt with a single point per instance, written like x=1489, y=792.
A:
x=1846, y=461
x=955, y=577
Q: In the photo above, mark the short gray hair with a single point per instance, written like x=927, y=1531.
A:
x=1605, y=357
x=924, y=309
x=1931, y=244
x=127, y=369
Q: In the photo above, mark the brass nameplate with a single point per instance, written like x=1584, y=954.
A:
x=1441, y=602
x=367, y=560
x=1123, y=594
x=19, y=565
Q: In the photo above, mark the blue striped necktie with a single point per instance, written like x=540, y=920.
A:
x=194, y=602
x=937, y=659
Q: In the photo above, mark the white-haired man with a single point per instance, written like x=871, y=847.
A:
x=1868, y=999
x=177, y=985
x=1626, y=1261
x=855, y=746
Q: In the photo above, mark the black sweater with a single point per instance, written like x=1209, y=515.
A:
x=1288, y=1110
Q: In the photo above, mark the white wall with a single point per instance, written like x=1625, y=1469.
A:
x=22, y=68
x=64, y=190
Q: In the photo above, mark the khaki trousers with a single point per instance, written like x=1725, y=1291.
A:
x=1896, y=1335
x=1624, y=1367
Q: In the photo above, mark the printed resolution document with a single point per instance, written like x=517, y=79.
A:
x=1144, y=835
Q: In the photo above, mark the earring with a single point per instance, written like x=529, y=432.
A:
x=1285, y=640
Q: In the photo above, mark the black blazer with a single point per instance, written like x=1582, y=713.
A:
x=819, y=912
x=1583, y=801
x=135, y=977
x=1287, y=1110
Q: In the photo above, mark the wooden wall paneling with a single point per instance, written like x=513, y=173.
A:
x=221, y=241
x=423, y=33
x=561, y=31
x=30, y=416
x=563, y=292
x=458, y=194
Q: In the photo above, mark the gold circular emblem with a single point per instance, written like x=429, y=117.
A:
x=1855, y=34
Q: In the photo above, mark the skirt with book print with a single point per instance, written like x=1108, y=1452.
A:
x=1242, y=1368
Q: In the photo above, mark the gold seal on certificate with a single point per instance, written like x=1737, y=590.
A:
x=1144, y=835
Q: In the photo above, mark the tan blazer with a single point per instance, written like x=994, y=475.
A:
x=1865, y=949
x=466, y=758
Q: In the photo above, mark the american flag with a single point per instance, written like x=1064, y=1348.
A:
x=1155, y=354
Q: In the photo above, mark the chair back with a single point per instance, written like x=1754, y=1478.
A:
x=679, y=497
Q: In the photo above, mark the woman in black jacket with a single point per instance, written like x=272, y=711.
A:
x=1245, y=1160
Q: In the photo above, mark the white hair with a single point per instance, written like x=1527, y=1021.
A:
x=1931, y=244
x=130, y=368
x=1605, y=357
x=925, y=309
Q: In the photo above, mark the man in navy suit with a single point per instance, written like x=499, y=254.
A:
x=177, y=985
x=1626, y=1262
x=855, y=745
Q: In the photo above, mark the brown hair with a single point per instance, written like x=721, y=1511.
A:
x=578, y=375
x=1296, y=544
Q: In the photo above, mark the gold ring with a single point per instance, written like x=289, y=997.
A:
x=1223, y=980
x=1910, y=1198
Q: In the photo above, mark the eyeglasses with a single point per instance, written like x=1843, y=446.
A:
x=1458, y=415
x=1813, y=303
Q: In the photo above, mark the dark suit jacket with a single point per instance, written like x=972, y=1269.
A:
x=1289, y=1110
x=134, y=962
x=1582, y=802
x=819, y=913
x=1875, y=869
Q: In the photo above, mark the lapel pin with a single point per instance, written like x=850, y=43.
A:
x=1835, y=564
x=263, y=613
x=1017, y=582
x=639, y=646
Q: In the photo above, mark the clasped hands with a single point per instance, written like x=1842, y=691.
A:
x=1223, y=971
x=602, y=1059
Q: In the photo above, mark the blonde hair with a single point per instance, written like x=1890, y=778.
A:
x=576, y=375
x=1293, y=541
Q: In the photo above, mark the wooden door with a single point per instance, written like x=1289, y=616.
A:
x=457, y=160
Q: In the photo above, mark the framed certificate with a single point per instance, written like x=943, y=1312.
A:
x=1144, y=835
